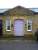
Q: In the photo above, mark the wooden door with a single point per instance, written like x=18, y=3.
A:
x=19, y=28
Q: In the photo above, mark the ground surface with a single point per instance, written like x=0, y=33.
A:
x=18, y=45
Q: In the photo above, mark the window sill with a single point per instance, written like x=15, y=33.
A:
x=29, y=30
x=8, y=30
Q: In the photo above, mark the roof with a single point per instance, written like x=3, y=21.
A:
x=35, y=13
x=1, y=14
x=19, y=10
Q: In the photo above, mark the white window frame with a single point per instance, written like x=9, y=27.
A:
x=27, y=25
x=10, y=27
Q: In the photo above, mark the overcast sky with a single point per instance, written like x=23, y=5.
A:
x=6, y=4
x=13, y=3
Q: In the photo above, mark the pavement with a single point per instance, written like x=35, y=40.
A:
x=18, y=45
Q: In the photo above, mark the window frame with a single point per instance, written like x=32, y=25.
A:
x=30, y=25
x=10, y=26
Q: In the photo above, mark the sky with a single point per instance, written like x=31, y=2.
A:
x=7, y=4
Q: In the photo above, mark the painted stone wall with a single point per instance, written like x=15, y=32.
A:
x=35, y=23
x=13, y=18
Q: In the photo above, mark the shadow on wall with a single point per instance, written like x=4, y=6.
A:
x=36, y=34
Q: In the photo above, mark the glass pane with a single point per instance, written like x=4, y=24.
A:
x=29, y=25
x=8, y=27
x=8, y=24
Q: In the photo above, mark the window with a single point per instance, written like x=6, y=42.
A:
x=8, y=25
x=29, y=25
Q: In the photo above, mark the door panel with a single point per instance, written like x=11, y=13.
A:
x=19, y=28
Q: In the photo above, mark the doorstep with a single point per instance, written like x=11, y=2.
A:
x=17, y=38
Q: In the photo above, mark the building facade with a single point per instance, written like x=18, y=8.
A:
x=18, y=21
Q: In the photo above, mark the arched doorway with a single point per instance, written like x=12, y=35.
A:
x=19, y=28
